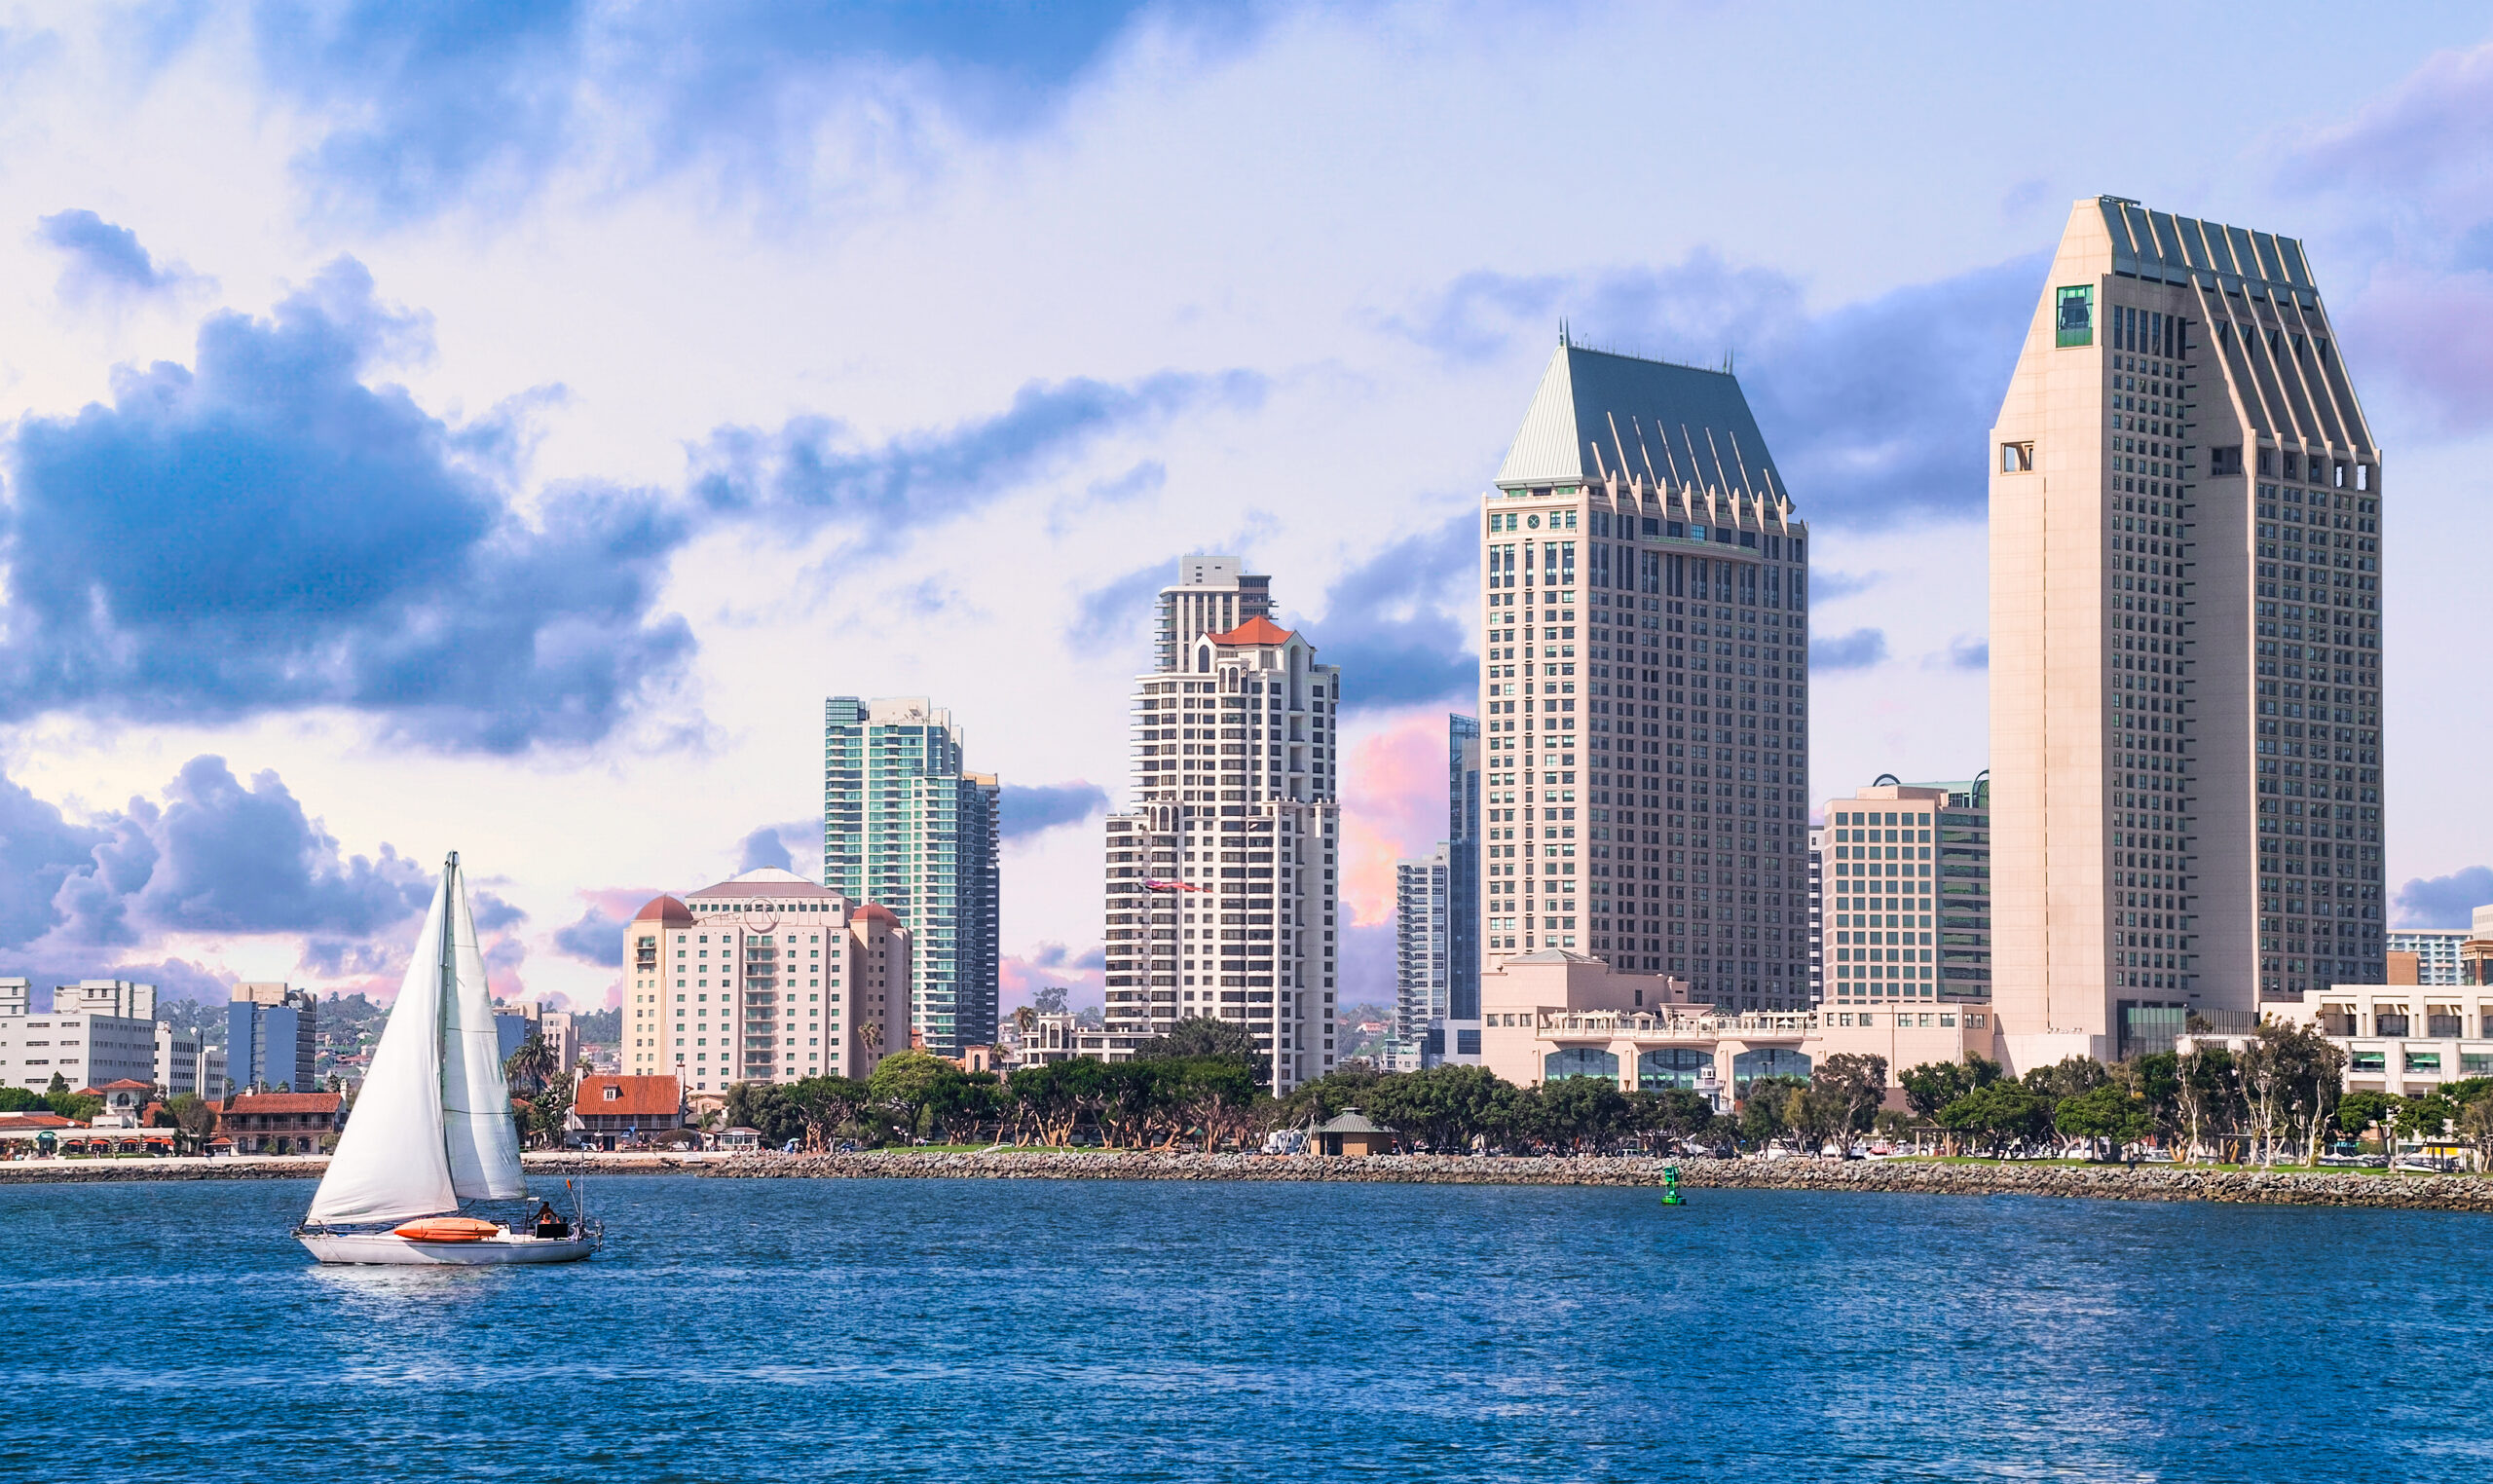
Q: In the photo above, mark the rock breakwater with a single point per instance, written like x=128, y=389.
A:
x=2108, y=1182
x=2465, y=1193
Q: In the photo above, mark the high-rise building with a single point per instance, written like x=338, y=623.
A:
x=1463, y=870
x=2436, y=952
x=272, y=1034
x=1818, y=842
x=1221, y=874
x=1210, y=596
x=1423, y=948
x=2184, y=642
x=1643, y=685
x=766, y=978
x=1906, y=915
x=907, y=827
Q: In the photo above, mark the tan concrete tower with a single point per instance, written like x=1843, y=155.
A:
x=1643, y=685
x=2185, y=642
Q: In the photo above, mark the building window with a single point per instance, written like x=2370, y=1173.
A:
x=2017, y=457
x=2075, y=322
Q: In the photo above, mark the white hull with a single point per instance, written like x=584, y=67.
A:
x=385, y=1248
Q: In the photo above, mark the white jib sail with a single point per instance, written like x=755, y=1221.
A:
x=476, y=1125
x=390, y=1163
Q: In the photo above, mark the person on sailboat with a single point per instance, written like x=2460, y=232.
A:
x=550, y=1225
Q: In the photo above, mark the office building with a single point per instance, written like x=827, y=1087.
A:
x=1643, y=685
x=271, y=1036
x=766, y=978
x=185, y=1063
x=1422, y=949
x=2185, y=635
x=98, y=1031
x=1908, y=888
x=907, y=827
x=1222, y=873
x=2436, y=952
x=1462, y=1039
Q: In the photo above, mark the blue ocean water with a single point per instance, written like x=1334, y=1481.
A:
x=907, y=1329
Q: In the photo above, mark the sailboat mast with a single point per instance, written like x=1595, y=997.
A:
x=446, y=981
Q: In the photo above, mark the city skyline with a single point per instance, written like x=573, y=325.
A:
x=596, y=515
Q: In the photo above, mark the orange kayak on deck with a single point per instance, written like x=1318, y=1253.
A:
x=446, y=1229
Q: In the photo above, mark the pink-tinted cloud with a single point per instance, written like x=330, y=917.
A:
x=1083, y=976
x=1393, y=804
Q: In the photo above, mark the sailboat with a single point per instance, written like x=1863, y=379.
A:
x=431, y=1134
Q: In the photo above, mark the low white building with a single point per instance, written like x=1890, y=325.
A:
x=2407, y=1039
x=1552, y=1013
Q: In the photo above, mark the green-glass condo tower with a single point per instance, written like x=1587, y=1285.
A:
x=905, y=827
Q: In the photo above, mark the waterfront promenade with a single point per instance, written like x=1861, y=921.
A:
x=2160, y=1183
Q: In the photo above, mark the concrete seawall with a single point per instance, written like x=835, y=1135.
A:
x=2447, y=1193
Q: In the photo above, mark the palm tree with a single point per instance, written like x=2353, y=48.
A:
x=870, y=1035
x=1025, y=1019
x=533, y=1065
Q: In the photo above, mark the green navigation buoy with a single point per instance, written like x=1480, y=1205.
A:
x=1670, y=1186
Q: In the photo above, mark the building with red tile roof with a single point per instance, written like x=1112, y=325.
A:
x=281, y=1123
x=608, y=1108
x=766, y=978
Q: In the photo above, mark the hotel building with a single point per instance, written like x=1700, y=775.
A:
x=1221, y=875
x=905, y=826
x=1908, y=887
x=767, y=978
x=1643, y=685
x=2185, y=642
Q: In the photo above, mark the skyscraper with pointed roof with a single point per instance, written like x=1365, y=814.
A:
x=1221, y=874
x=1643, y=685
x=2185, y=642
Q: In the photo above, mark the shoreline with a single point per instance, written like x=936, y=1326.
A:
x=2109, y=1182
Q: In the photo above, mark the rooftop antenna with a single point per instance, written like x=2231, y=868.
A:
x=1563, y=341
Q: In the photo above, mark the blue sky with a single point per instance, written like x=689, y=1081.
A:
x=496, y=428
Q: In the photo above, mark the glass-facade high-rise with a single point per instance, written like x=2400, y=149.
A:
x=1463, y=870
x=1643, y=685
x=905, y=827
x=2185, y=643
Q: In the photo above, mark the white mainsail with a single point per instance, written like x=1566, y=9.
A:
x=391, y=1162
x=431, y=1126
x=475, y=1095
